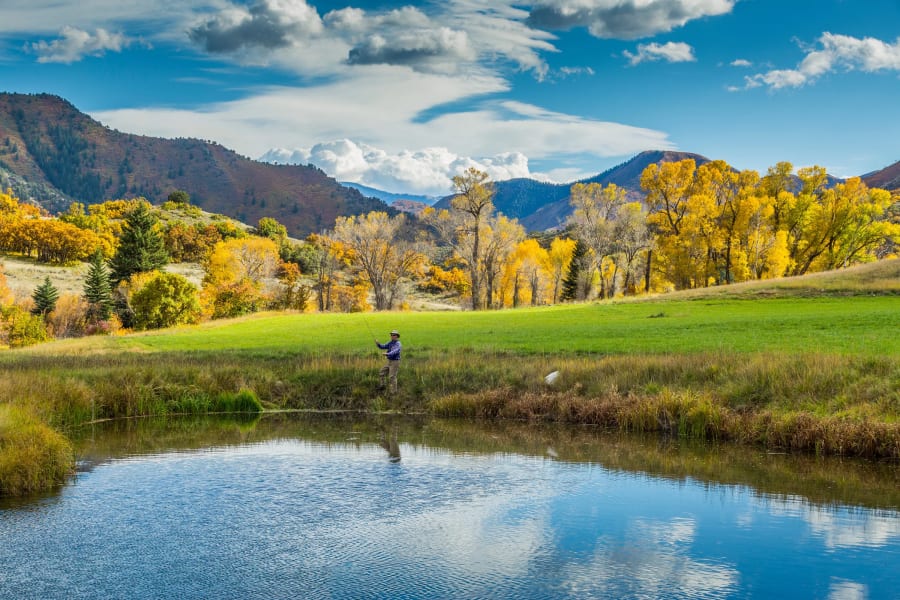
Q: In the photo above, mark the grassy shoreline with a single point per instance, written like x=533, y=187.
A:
x=815, y=373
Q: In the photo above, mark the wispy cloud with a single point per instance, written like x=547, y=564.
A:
x=834, y=53
x=623, y=19
x=741, y=62
x=74, y=44
x=670, y=52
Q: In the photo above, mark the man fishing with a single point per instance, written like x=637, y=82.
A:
x=392, y=354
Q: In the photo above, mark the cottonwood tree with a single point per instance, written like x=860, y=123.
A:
x=632, y=241
x=557, y=264
x=501, y=235
x=463, y=226
x=593, y=221
x=380, y=253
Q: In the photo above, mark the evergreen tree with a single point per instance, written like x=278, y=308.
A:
x=571, y=282
x=141, y=246
x=45, y=297
x=98, y=289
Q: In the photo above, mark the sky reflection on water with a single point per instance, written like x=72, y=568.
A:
x=296, y=518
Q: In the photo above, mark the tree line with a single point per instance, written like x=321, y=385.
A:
x=696, y=227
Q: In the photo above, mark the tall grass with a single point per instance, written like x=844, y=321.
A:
x=33, y=456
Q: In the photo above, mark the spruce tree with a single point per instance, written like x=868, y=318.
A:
x=571, y=282
x=141, y=247
x=45, y=297
x=98, y=289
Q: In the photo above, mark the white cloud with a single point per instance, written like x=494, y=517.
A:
x=670, y=52
x=74, y=44
x=741, y=62
x=381, y=108
x=427, y=171
x=834, y=53
x=624, y=19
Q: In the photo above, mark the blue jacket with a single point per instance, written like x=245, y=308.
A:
x=393, y=349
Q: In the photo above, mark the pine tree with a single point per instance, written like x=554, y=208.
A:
x=45, y=297
x=98, y=289
x=571, y=282
x=141, y=247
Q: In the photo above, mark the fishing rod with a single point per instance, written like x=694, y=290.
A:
x=366, y=321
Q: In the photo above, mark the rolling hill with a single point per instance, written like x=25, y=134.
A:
x=54, y=154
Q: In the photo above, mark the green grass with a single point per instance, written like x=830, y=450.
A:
x=854, y=325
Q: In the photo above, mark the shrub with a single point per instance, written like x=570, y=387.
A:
x=69, y=318
x=21, y=328
x=166, y=300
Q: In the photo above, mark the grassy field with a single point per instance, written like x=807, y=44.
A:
x=809, y=364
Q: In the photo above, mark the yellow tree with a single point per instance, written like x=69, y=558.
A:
x=853, y=222
x=557, y=264
x=385, y=259
x=736, y=201
x=669, y=187
x=237, y=272
x=501, y=236
x=527, y=277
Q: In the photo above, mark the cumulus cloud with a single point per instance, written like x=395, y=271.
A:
x=623, y=19
x=427, y=171
x=741, y=62
x=833, y=53
x=670, y=52
x=74, y=44
x=267, y=24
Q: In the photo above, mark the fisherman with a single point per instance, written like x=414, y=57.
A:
x=392, y=354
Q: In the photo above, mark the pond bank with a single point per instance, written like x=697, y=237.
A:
x=816, y=403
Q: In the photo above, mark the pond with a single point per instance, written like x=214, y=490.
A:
x=331, y=506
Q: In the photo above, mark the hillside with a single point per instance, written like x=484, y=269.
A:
x=887, y=178
x=54, y=154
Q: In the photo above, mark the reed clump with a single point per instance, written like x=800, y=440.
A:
x=33, y=456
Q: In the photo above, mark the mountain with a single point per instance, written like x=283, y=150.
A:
x=389, y=197
x=57, y=154
x=887, y=178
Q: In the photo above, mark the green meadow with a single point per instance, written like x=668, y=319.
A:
x=809, y=365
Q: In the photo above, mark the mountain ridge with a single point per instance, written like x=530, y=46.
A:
x=49, y=143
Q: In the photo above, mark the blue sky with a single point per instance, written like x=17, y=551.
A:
x=403, y=95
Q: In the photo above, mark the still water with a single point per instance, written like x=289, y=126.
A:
x=330, y=507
